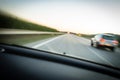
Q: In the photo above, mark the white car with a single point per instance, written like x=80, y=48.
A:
x=104, y=40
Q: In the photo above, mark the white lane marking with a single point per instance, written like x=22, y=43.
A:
x=51, y=50
x=41, y=44
x=100, y=57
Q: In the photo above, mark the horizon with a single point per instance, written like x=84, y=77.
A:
x=73, y=16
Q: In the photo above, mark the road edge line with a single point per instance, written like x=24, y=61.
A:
x=100, y=57
x=43, y=43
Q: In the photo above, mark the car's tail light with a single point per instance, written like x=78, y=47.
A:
x=102, y=40
x=115, y=42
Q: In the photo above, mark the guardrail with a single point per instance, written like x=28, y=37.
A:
x=12, y=31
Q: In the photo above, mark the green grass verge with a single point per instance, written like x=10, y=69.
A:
x=88, y=36
x=12, y=22
x=24, y=39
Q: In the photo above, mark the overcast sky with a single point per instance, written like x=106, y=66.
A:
x=80, y=16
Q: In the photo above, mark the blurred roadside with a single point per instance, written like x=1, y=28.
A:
x=5, y=31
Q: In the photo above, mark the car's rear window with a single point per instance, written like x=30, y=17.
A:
x=109, y=37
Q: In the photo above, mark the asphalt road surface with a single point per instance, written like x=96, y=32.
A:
x=78, y=47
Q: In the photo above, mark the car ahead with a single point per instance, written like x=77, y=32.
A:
x=104, y=40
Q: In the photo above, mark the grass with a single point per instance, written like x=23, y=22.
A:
x=88, y=36
x=24, y=39
x=12, y=22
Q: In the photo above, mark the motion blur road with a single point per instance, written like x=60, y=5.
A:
x=73, y=45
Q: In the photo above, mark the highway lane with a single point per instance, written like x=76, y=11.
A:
x=78, y=47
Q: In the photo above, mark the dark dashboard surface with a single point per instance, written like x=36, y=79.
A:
x=25, y=64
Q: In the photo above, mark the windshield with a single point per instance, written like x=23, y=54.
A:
x=63, y=27
x=109, y=37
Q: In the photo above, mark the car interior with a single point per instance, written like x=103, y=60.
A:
x=21, y=63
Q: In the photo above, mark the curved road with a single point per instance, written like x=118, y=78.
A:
x=79, y=47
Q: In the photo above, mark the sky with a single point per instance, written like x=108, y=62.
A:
x=79, y=16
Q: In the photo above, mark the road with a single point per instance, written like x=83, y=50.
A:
x=78, y=47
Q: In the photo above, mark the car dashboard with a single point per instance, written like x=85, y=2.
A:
x=21, y=63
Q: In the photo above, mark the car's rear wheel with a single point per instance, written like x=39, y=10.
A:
x=112, y=49
x=96, y=45
x=91, y=43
